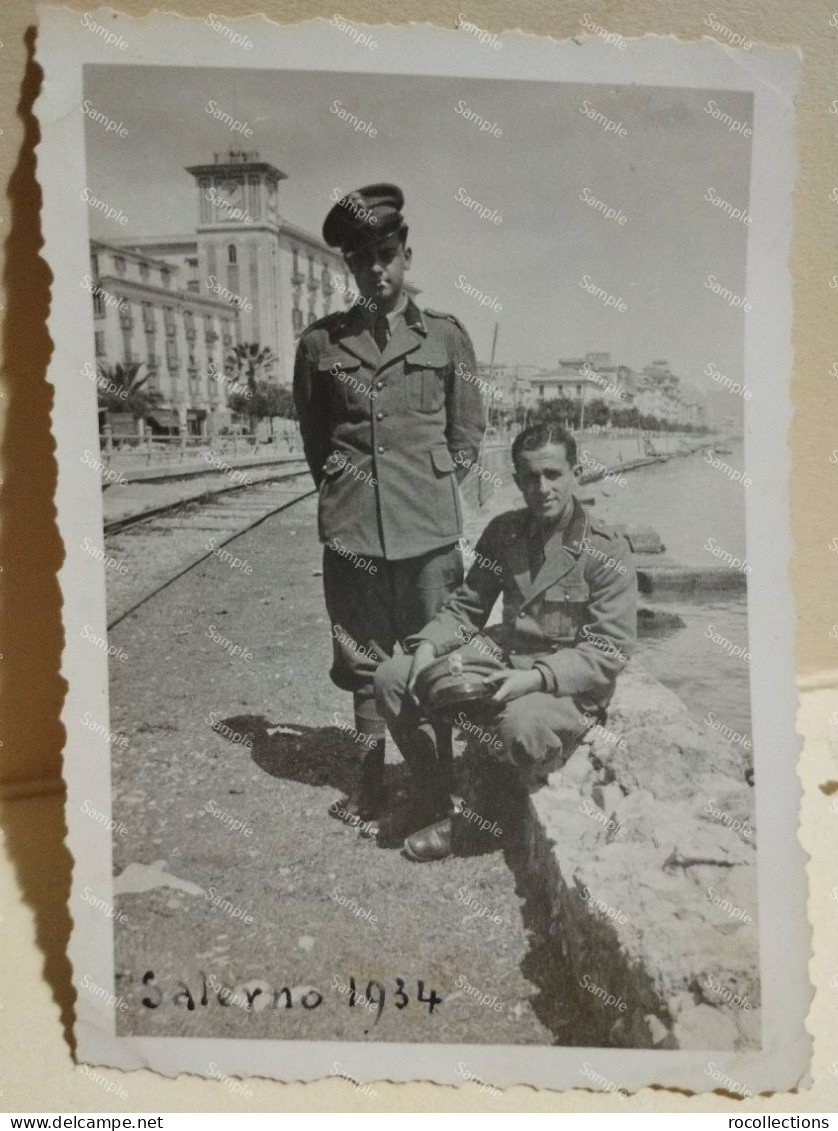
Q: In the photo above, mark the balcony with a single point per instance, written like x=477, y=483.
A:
x=297, y=278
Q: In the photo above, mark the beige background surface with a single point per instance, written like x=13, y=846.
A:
x=36, y=1069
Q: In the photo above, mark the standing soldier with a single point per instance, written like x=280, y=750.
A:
x=383, y=409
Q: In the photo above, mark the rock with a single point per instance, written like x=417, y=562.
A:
x=703, y=1027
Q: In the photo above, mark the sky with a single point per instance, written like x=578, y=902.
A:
x=533, y=175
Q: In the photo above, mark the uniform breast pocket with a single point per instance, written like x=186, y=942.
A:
x=424, y=381
x=564, y=609
x=349, y=384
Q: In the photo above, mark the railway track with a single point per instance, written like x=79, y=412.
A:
x=150, y=550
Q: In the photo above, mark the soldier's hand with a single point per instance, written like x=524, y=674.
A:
x=512, y=684
x=423, y=656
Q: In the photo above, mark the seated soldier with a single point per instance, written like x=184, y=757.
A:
x=569, y=625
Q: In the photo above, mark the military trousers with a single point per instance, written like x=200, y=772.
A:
x=531, y=735
x=374, y=603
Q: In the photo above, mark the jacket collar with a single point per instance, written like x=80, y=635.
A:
x=355, y=334
x=561, y=552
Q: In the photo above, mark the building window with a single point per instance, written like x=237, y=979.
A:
x=99, y=343
x=145, y=271
x=297, y=320
x=231, y=254
x=165, y=276
x=169, y=320
x=94, y=266
x=541, y=390
x=126, y=347
x=119, y=264
x=206, y=201
x=171, y=353
x=98, y=305
x=148, y=317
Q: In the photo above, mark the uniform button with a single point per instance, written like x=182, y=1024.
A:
x=554, y=647
x=381, y=449
x=513, y=651
x=379, y=384
x=522, y=613
x=379, y=416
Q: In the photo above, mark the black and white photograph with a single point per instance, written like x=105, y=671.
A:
x=420, y=410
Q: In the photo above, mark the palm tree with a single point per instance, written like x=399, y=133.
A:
x=121, y=389
x=249, y=362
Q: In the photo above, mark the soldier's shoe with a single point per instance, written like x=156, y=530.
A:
x=392, y=829
x=431, y=843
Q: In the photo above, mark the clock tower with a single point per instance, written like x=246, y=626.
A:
x=238, y=242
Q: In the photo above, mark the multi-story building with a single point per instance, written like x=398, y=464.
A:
x=244, y=275
x=590, y=377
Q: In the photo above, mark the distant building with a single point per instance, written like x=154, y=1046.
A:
x=593, y=377
x=245, y=275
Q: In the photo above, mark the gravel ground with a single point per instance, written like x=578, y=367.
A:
x=289, y=871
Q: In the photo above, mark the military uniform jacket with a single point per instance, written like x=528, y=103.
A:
x=381, y=432
x=576, y=621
